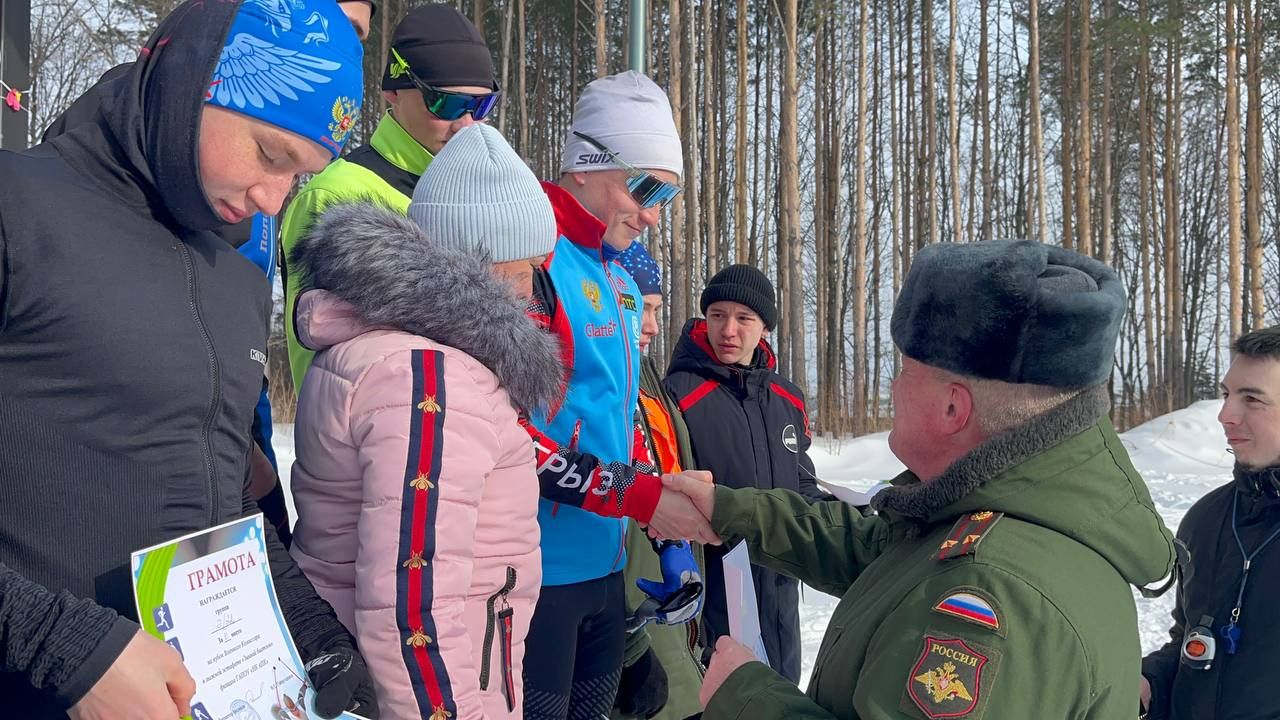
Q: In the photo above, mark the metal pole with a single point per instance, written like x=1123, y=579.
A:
x=639, y=32
x=15, y=49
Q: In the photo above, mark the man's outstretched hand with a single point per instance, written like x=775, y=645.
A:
x=684, y=510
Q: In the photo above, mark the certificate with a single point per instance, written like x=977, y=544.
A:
x=209, y=596
x=740, y=601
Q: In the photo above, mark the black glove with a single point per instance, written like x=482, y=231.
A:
x=342, y=681
x=642, y=690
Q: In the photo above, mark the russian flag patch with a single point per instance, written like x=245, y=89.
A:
x=971, y=607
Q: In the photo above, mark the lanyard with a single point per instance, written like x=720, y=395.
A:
x=1231, y=631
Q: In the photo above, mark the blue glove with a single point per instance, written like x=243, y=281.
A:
x=677, y=599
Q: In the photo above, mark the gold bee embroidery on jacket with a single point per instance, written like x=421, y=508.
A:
x=419, y=639
x=429, y=405
x=415, y=562
x=440, y=713
x=421, y=482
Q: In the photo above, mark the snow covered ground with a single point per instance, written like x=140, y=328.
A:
x=1182, y=456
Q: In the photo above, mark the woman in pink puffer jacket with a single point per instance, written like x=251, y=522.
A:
x=414, y=483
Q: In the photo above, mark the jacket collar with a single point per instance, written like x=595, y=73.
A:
x=694, y=353
x=573, y=220
x=933, y=500
x=1066, y=471
x=394, y=143
x=1263, y=482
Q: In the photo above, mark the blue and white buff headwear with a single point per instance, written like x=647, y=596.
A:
x=296, y=64
x=637, y=261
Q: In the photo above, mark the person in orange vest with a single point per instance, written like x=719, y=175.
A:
x=662, y=668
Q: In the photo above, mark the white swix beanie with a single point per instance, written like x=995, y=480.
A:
x=631, y=116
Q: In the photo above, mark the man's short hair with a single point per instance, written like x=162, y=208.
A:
x=1259, y=344
x=1000, y=406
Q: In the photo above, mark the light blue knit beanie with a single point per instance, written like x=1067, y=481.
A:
x=477, y=194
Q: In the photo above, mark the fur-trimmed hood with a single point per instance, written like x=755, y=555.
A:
x=366, y=267
x=1065, y=470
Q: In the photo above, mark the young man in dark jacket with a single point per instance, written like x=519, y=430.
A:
x=749, y=427
x=131, y=347
x=256, y=239
x=1225, y=643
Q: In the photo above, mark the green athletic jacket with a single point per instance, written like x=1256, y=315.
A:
x=999, y=590
x=385, y=170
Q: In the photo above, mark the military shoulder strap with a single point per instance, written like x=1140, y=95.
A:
x=967, y=533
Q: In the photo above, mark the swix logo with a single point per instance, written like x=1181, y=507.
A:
x=607, y=330
x=594, y=159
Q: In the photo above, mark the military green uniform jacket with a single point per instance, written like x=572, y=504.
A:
x=999, y=590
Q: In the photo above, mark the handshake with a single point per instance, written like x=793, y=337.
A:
x=684, y=508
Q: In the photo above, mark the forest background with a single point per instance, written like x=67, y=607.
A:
x=827, y=141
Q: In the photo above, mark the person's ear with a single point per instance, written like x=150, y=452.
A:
x=959, y=409
x=391, y=96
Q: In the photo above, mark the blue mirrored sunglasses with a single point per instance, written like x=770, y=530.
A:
x=646, y=189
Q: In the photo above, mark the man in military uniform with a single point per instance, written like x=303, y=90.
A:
x=993, y=582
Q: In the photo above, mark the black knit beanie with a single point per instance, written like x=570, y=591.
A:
x=441, y=47
x=747, y=285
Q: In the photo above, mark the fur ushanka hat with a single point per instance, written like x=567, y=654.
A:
x=1013, y=311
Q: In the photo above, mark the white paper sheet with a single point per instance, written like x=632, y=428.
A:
x=851, y=496
x=740, y=601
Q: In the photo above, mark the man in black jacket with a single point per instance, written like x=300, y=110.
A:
x=749, y=427
x=1225, y=642
x=131, y=347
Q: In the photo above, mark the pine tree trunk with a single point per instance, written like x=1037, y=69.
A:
x=692, y=174
x=953, y=101
x=1144, y=201
x=740, y=143
x=821, y=215
x=602, y=56
x=1084, y=141
x=1235, y=262
x=789, y=254
x=930, y=121
x=1253, y=165
x=710, y=96
x=1037, y=132
x=505, y=109
x=1172, y=199
x=521, y=79
x=1105, y=129
x=680, y=309
x=984, y=118
x=860, y=237
x=1067, y=145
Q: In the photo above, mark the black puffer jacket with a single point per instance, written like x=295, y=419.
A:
x=1239, y=686
x=749, y=427
x=131, y=348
